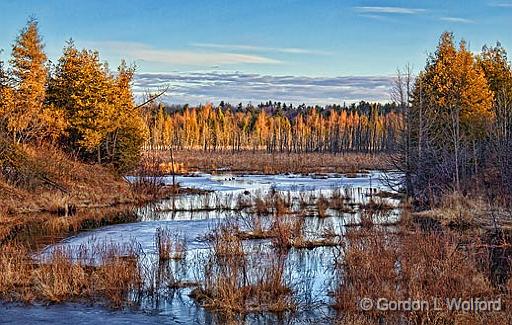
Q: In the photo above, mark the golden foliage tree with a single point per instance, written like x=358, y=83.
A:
x=124, y=144
x=29, y=80
x=6, y=97
x=330, y=129
x=103, y=123
x=454, y=88
x=451, y=118
x=81, y=85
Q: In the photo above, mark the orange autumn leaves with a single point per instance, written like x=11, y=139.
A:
x=276, y=129
x=453, y=80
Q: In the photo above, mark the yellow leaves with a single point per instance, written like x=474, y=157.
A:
x=53, y=123
x=6, y=100
x=307, y=129
x=453, y=81
x=85, y=91
x=29, y=80
x=98, y=107
x=496, y=68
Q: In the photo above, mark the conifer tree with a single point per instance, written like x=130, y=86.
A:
x=129, y=130
x=29, y=75
x=83, y=87
x=6, y=98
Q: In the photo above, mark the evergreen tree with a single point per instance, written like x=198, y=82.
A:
x=29, y=75
x=83, y=87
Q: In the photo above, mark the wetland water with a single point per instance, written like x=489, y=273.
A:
x=309, y=272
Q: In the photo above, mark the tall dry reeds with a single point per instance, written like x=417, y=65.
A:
x=110, y=272
x=169, y=245
x=379, y=264
x=237, y=281
x=260, y=161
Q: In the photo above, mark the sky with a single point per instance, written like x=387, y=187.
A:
x=316, y=52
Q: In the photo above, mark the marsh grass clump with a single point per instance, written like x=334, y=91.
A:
x=106, y=273
x=281, y=203
x=376, y=205
x=288, y=232
x=169, y=245
x=306, y=200
x=273, y=202
x=458, y=211
x=339, y=201
x=15, y=273
x=252, y=226
x=59, y=279
x=262, y=205
x=364, y=219
x=237, y=281
x=397, y=266
x=322, y=204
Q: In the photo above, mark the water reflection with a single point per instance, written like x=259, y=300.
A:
x=309, y=272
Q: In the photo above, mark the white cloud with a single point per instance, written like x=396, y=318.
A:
x=390, y=10
x=501, y=4
x=457, y=20
x=143, y=52
x=235, y=87
x=241, y=47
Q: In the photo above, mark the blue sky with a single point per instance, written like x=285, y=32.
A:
x=290, y=50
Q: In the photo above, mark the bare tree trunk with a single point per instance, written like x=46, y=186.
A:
x=173, y=168
x=456, y=143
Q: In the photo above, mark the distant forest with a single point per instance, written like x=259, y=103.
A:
x=275, y=127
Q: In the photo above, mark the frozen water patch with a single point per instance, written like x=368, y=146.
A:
x=194, y=216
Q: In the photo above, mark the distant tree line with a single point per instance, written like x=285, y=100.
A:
x=457, y=133
x=275, y=127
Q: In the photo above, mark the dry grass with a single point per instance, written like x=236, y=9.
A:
x=288, y=232
x=263, y=162
x=338, y=201
x=169, y=245
x=285, y=232
x=236, y=282
x=376, y=205
x=40, y=184
x=55, y=179
x=458, y=211
x=53, y=193
x=252, y=225
x=67, y=275
x=273, y=202
x=420, y=266
x=41, y=229
x=322, y=204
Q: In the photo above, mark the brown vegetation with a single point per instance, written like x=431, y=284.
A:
x=62, y=277
x=237, y=281
x=45, y=191
x=47, y=180
x=273, y=163
x=418, y=266
x=456, y=135
x=476, y=212
x=169, y=245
